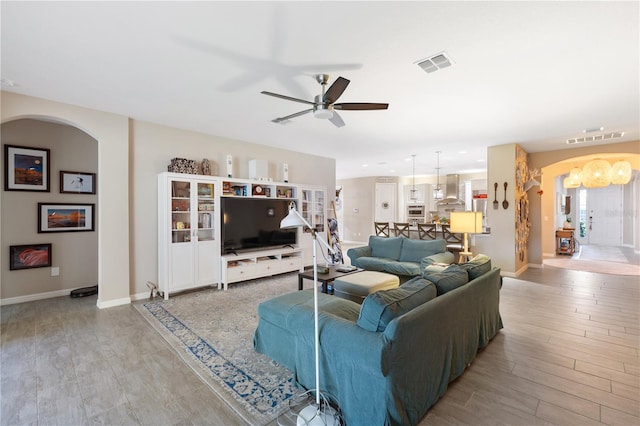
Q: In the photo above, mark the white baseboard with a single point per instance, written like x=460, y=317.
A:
x=34, y=297
x=140, y=296
x=535, y=265
x=115, y=302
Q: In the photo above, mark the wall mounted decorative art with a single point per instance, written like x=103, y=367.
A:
x=65, y=217
x=29, y=256
x=77, y=182
x=26, y=168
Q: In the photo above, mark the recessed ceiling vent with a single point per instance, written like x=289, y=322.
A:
x=594, y=138
x=435, y=62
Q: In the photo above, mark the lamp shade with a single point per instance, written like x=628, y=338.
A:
x=568, y=183
x=575, y=176
x=466, y=222
x=621, y=172
x=293, y=219
x=596, y=174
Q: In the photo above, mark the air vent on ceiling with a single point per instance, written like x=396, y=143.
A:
x=435, y=62
x=594, y=138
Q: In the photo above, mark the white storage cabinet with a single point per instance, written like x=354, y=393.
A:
x=188, y=234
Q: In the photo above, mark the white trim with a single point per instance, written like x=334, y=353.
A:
x=34, y=297
x=112, y=303
x=140, y=296
x=535, y=265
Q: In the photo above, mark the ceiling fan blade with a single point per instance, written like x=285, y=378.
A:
x=288, y=98
x=359, y=106
x=336, y=120
x=297, y=114
x=335, y=90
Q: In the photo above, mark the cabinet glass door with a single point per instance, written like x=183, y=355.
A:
x=305, y=208
x=180, y=211
x=319, y=218
x=206, y=209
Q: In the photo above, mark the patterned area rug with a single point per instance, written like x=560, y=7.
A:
x=212, y=330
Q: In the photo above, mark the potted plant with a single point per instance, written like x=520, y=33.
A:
x=567, y=223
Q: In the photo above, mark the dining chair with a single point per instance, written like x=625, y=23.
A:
x=454, y=240
x=401, y=229
x=382, y=228
x=427, y=231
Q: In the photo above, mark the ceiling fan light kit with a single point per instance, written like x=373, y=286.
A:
x=324, y=105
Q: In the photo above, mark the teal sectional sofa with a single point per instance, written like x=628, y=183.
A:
x=390, y=359
x=404, y=257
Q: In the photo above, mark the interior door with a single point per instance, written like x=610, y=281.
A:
x=386, y=202
x=604, y=221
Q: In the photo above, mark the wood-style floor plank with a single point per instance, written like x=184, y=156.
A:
x=568, y=355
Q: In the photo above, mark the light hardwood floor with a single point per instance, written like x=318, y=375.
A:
x=568, y=355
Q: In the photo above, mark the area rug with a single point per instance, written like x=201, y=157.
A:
x=212, y=330
x=602, y=267
x=602, y=253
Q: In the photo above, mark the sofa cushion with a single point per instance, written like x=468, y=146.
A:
x=381, y=307
x=451, y=278
x=385, y=247
x=416, y=250
x=374, y=263
x=403, y=268
x=479, y=265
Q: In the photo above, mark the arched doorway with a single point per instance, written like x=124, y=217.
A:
x=605, y=220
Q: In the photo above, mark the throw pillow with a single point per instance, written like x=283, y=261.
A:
x=381, y=307
x=479, y=265
x=451, y=278
x=385, y=247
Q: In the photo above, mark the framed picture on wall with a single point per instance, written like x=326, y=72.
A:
x=26, y=168
x=77, y=182
x=29, y=256
x=65, y=217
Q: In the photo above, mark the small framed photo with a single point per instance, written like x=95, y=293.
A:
x=65, y=217
x=26, y=168
x=29, y=256
x=77, y=182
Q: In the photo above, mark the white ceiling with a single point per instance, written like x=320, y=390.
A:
x=532, y=73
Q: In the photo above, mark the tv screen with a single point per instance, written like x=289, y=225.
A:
x=254, y=223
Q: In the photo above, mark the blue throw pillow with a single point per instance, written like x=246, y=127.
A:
x=385, y=247
x=381, y=307
x=451, y=278
x=479, y=265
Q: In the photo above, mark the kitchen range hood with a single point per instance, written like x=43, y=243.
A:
x=451, y=192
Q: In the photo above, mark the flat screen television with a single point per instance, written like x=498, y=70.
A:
x=253, y=224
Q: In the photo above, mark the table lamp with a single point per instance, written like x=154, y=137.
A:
x=466, y=223
x=321, y=413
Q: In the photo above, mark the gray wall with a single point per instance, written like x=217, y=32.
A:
x=75, y=253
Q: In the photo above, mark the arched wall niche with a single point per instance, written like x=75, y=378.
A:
x=74, y=254
x=112, y=133
x=557, y=163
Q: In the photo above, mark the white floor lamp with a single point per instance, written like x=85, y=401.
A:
x=320, y=413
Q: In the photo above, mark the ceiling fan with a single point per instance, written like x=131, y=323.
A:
x=324, y=105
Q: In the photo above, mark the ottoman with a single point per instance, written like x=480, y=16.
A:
x=356, y=287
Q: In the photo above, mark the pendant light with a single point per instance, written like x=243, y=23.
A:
x=621, y=172
x=414, y=193
x=437, y=192
x=596, y=174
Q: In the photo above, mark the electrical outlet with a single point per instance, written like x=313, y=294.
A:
x=55, y=271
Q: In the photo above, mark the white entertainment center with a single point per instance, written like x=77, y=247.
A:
x=191, y=252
